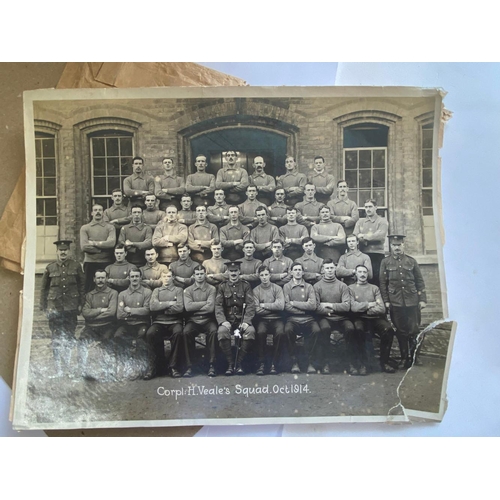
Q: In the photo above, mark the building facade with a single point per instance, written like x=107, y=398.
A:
x=383, y=147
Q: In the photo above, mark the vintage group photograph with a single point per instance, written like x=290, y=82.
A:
x=232, y=255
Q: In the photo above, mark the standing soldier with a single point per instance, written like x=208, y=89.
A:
x=216, y=266
x=186, y=215
x=311, y=263
x=293, y=182
x=324, y=182
x=263, y=234
x=232, y=179
x=350, y=260
x=201, y=235
x=169, y=187
x=138, y=185
x=61, y=300
x=151, y=272
x=218, y=214
x=231, y=295
x=266, y=185
x=97, y=240
x=403, y=291
x=344, y=211
x=233, y=235
x=309, y=208
x=249, y=265
x=183, y=269
x=293, y=234
x=118, y=271
x=201, y=185
x=117, y=214
x=372, y=232
x=329, y=236
x=247, y=209
x=152, y=215
x=137, y=237
x=277, y=211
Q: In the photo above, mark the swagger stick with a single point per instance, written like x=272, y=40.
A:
x=237, y=335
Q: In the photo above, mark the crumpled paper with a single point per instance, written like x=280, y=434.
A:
x=98, y=75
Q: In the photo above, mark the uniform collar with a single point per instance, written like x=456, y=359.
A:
x=105, y=289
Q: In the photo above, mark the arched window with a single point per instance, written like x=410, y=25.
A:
x=111, y=153
x=365, y=162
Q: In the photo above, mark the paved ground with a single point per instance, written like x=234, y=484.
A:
x=285, y=395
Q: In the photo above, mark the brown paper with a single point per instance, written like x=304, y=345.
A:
x=92, y=75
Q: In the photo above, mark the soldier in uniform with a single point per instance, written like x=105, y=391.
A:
x=232, y=179
x=186, y=215
x=348, y=262
x=201, y=185
x=118, y=271
x=61, y=300
x=137, y=237
x=324, y=182
x=277, y=211
x=117, y=214
x=344, y=211
x=233, y=235
x=152, y=215
x=247, y=209
x=231, y=295
x=266, y=184
x=218, y=214
x=403, y=291
x=309, y=208
x=293, y=182
x=138, y=185
x=169, y=233
x=169, y=187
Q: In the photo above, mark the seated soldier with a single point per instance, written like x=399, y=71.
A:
x=152, y=215
x=311, y=263
x=201, y=235
x=151, y=272
x=199, y=301
x=300, y=302
x=263, y=234
x=133, y=308
x=167, y=306
x=186, y=215
x=118, y=271
x=368, y=311
x=233, y=235
x=334, y=303
x=329, y=236
x=218, y=213
x=249, y=265
x=183, y=269
x=234, y=311
x=346, y=269
x=293, y=234
x=216, y=266
x=279, y=265
x=137, y=237
x=99, y=312
x=269, y=304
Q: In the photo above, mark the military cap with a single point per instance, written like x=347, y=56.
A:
x=234, y=266
x=396, y=238
x=63, y=244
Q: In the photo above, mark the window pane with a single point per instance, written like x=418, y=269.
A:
x=99, y=166
x=365, y=178
x=427, y=158
x=48, y=148
x=105, y=202
x=49, y=168
x=427, y=177
x=50, y=207
x=379, y=195
x=351, y=160
x=427, y=198
x=39, y=207
x=39, y=187
x=428, y=211
x=39, y=171
x=49, y=186
x=126, y=146
x=99, y=186
x=38, y=148
x=112, y=146
x=51, y=221
x=351, y=176
x=126, y=165
x=113, y=183
x=379, y=158
x=98, y=147
x=39, y=221
x=379, y=178
x=364, y=194
x=427, y=138
x=365, y=159
x=113, y=166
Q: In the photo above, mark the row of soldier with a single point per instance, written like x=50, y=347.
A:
x=156, y=310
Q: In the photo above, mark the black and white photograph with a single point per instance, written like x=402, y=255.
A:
x=233, y=255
